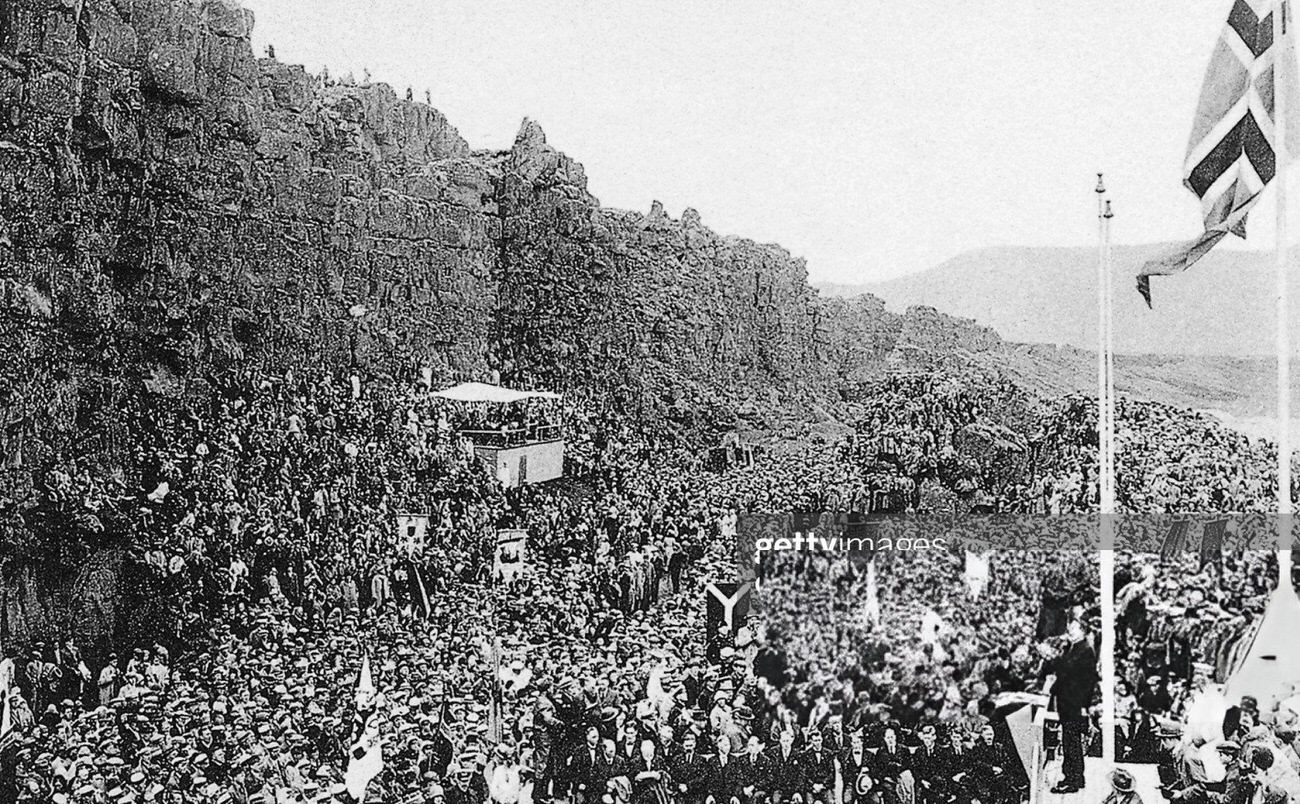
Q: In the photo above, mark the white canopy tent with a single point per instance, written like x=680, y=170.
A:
x=1271, y=668
x=482, y=392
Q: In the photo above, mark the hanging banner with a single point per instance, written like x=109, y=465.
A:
x=977, y=573
x=411, y=530
x=512, y=545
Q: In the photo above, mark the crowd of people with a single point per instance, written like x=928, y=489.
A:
x=1184, y=626
x=267, y=565
x=265, y=569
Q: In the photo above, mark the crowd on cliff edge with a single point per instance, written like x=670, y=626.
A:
x=270, y=573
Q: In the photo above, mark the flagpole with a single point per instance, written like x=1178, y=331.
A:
x=1284, y=503
x=1105, y=476
x=1101, y=341
x=1107, y=216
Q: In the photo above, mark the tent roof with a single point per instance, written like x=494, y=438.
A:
x=482, y=392
x=1272, y=664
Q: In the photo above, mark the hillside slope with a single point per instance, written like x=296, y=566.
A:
x=1222, y=306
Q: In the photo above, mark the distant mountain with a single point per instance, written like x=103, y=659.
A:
x=1222, y=306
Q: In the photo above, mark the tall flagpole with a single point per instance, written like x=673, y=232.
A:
x=1107, y=216
x=1282, y=73
x=1105, y=476
x=1103, y=445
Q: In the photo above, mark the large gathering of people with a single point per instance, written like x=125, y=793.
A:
x=1185, y=624
x=266, y=569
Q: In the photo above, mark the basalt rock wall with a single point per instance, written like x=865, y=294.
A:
x=172, y=207
x=174, y=210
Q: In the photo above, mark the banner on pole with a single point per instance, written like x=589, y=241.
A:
x=512, y=545
x=726, y=609
x=411, y=532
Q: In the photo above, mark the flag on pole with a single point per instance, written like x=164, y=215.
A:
x=977, y=573
x=1231, y=154
x=424, y=593
x=444, y=722
x=1212, y=542
x=366, y=759
x=8, y=734
x=873, y=594
x=1175, y=542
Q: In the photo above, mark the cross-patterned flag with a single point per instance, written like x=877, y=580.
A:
x=1232, y=156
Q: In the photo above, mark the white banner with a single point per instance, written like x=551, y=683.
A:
x=512, y=546
x=977, y=573
x=411, y=530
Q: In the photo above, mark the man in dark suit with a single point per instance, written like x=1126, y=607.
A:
x=753, y=771
x=854, y=762
x=987, y=763
x=722, y=777
x=785, y=769
x=1075, y=685
x=689, y=771
x=651, y=782
x=927, y=766
x=586, y=769
x=888, y=765
x=818, y=769
x=955, y=760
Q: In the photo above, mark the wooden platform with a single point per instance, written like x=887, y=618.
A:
x=1147, y=783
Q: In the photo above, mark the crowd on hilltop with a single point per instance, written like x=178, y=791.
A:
x=1168, y=460
x=989, y=441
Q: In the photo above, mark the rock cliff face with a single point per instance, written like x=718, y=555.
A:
x=172, y=206
x=173, y=209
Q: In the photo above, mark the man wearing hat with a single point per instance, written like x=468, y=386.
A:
x=1122, y=788
x=1238, y=720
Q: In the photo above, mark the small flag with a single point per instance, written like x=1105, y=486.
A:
x=1212, y=542
x=872, y=606
x=366, y=758
x=424, y=594
x=1175, y=543
x=7, y=733
x=977, y=573
x=1231, y=156
x=444, y=724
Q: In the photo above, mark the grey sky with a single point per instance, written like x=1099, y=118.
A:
x=873, y=138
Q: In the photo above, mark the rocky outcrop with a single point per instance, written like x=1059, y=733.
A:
x=172, y=208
